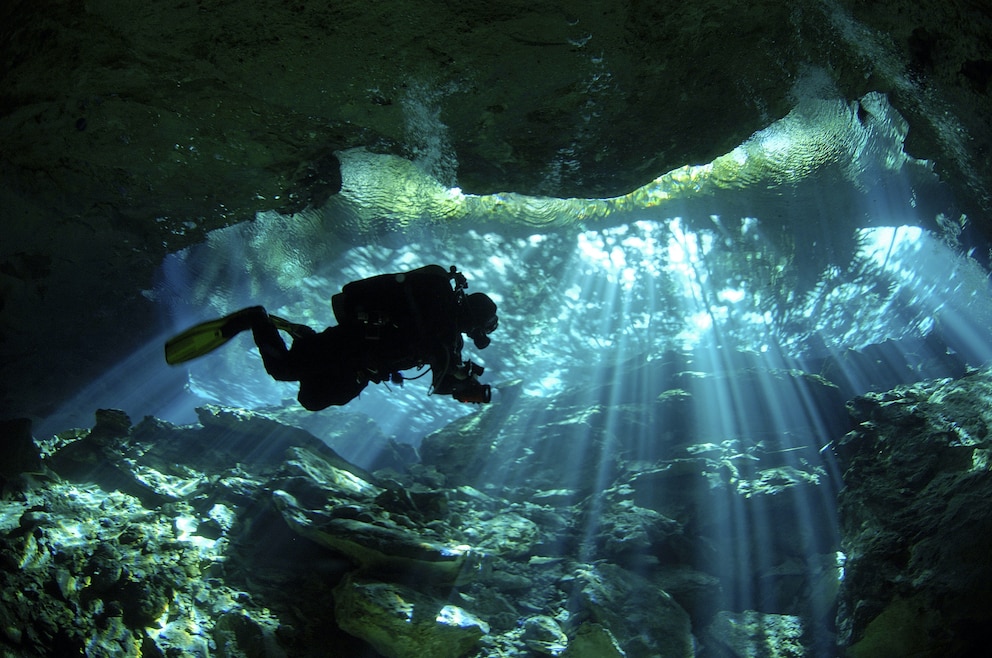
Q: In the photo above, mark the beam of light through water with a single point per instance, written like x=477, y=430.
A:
x=637, y=343
x=142, y=384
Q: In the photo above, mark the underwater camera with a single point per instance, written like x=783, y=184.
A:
x=474, y=392
x=469, y=389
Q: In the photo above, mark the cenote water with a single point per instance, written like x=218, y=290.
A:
x=655, y=474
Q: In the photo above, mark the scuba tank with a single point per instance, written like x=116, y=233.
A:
x=390, y=300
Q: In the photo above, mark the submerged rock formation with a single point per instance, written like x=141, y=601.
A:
x=916, y=525
x=244, y=535
x=550, y=526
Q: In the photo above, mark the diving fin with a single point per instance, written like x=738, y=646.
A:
x=208, y=336
x=197, y=341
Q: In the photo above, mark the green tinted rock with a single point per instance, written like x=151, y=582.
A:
x=402, y=623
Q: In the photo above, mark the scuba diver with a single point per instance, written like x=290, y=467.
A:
x=386, y=323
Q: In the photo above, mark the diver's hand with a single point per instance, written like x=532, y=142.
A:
x=468, y=370
x=300, y=330
x=465, y=386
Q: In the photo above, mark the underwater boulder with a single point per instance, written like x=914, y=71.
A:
x=112, y=456
x=752, y=634
x=543, y=635
x=264, y=437
x=403, y=623
x=915, y=521
x=624, y=533
x=199, y=555
x=94, y=571
x=541, y=446
x=373, y=542
x=645, y=619
x=18, y=452
x=593, y=641
x=237, y=634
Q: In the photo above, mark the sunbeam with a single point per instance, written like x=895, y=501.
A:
x=674, y=375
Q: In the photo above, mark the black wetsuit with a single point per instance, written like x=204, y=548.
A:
x=387, y=323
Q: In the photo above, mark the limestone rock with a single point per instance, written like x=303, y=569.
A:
x=321, y=475
x=593, y=641
x=402, y=623
x=376, y=546
x=916, y=525
x=698, y=593
x=646, y=620
x=543, y=635
x=752, y=634
x=155, y=569
x=690, y=491
x=509, y=534
x=18, y=451
x=111, y=424
x=271, y=438
x=626, y=531
x=75, y=578
x=456, y=451
x=106, y=455
x=237, y=634
x=277, y=540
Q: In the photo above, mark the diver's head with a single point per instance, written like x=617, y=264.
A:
x=478, y=318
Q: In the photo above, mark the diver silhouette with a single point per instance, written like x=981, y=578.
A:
x=386, y=324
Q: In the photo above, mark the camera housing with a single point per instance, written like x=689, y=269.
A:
x=474, y=392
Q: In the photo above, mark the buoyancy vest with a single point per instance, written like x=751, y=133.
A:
x=410, y=306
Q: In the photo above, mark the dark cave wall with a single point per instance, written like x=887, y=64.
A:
x=915, y=521
x=945, y=52
x=204, y=113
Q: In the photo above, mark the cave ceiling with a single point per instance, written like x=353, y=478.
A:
x=131, y=130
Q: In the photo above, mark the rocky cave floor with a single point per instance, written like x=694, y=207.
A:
x=247, y=536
